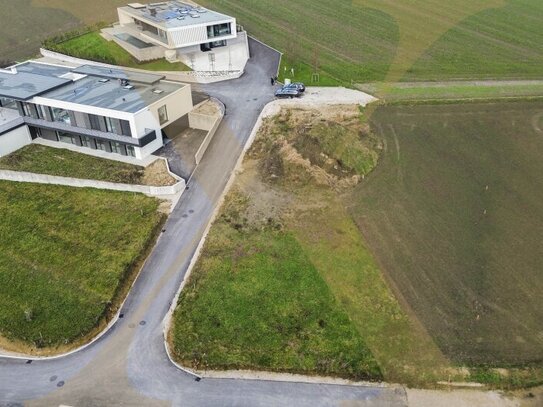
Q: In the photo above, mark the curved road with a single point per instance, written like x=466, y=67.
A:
x=128, y=366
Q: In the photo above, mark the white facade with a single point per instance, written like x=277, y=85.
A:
x=177, y=37
x=202, y=39
x=14, y=140
x=90, y=110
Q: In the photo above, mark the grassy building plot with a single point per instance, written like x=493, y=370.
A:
x=255, y=300
x=25, y=23
x=285, y=282
x=60, y=162
x=67, y=257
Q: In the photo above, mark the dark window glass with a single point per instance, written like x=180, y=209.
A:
x=87, y=142
x=42, y=112
x=125, y=128
x=61, y=115
x=116, y=147
x=131, y=151
x=219, y=30
x=101, y=145
x=162, y=114
x=66, y=138
x=95, y=122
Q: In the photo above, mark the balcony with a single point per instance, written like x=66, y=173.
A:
x=148, y=137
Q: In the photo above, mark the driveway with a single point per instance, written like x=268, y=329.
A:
x=128, y=365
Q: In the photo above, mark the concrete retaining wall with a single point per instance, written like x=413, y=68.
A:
x=87, y=183
x=208, y=123
x=141, y=54
x=181, y=76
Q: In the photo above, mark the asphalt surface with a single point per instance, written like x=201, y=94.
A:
x=128, y=366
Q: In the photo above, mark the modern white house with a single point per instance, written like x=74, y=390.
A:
x=116, y=111
x=203, y=39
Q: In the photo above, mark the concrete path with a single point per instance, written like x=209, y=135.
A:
x=128, y=365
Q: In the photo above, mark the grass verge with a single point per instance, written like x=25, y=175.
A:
x=67, y=257
x=457, y=91
x=66, y=163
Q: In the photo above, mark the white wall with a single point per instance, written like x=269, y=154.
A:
x=197, y=34
x=14, y=140
x=178, y=104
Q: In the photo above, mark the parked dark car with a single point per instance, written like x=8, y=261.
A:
x=296, y=85
x=288, y=92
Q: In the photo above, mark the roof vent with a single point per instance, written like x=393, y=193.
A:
x=195, y=15
x=103, y=80
x=128, y=87
x=158, y=91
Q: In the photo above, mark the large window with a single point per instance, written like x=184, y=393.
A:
x=125, y=128
x=101, y=145
x=87, y=142
x=66, y=138
x=42, y=112
x=8, y=103
x=112, y=125
x=219, y=30
x=163, y=114
x=95, y=122
x=131, y=151
x=208, y=46
x=117, y=147
x=61, y=115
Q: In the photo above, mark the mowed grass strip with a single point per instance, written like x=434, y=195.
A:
x=255, y=301
x=65, y=254
x=427, y=91
x=65, y=163
x=93, y=46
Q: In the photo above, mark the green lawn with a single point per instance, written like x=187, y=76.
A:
x=94, y=47
x=255, y=301
x=65, y=163
x=66, y=254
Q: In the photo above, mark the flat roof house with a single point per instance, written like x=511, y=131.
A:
x=112, y=110
x=203, y=39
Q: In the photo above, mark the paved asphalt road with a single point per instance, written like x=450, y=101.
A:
x=128, y=366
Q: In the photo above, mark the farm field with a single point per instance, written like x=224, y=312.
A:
x=25, y=23
x=454, y=216
x=67, y=257
x=41, y=159
x=370, y=40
